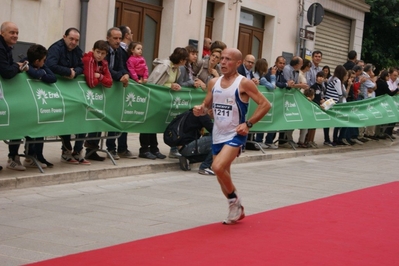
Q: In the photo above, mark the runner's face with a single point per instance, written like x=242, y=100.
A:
x=228, y=63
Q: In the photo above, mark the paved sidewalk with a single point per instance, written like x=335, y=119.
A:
x=64, y=173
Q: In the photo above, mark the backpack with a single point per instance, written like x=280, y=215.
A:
x=173, y=134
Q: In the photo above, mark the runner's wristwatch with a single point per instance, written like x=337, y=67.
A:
x=249, y=124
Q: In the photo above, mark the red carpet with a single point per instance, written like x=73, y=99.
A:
x=355, y=228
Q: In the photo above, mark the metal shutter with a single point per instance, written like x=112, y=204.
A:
x=332, y=39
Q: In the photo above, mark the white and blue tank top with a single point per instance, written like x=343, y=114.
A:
x=228, y=110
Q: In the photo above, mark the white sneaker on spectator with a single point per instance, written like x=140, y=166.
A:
x=29, y=163
x=357, y=141
x=80, y=158
x=345, y=142
x=15, y=164
x=272, y=146
x=174, y=154
x=206, y=171
x=263, y=145
x=313, y=144
x=66, y=157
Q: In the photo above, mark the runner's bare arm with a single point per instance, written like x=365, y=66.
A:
x=207, y=103
x=249, y=88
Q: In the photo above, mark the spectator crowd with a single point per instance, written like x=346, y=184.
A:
x=120, y=59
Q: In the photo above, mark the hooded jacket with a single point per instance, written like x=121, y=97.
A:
x=91, y=66
x=161, y=72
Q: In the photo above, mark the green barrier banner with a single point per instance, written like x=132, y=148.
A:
x=33, y=108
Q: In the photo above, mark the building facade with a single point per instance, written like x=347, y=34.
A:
x=265, y=28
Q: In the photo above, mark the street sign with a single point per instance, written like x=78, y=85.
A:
x=306, y=34
x=315, y=14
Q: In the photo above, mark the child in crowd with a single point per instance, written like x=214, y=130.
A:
x=335, y=90
x=95, y=67
x=309, y=93
x=37, y=55
x=318, y=89
x=136, y=64
x=96, y=71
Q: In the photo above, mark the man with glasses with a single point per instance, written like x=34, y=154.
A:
x=245, y=69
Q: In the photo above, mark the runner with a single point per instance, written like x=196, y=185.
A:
x=229, y=95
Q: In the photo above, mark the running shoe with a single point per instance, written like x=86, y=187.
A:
x=236, y=211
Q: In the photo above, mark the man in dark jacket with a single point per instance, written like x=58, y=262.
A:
x=115, y=57
x=65, y=59
x=195, y=147
x=9, y=69
x=245, y=69
x=65, y=56
x=119, y=41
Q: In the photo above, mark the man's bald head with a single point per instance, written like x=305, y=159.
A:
x=249, y=61
x=9, y=31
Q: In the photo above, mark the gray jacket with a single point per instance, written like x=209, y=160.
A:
x=161, y=72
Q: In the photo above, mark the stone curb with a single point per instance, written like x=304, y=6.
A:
x=46, y=179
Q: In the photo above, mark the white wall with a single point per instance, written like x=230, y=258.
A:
x=38, y=21
x=45, y=21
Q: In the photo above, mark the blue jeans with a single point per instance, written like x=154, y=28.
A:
x=199, y=151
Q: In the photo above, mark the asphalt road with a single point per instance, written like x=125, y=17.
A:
x=49, y=221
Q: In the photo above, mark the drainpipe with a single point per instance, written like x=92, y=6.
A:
x=300, y=44
x=84, y=7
